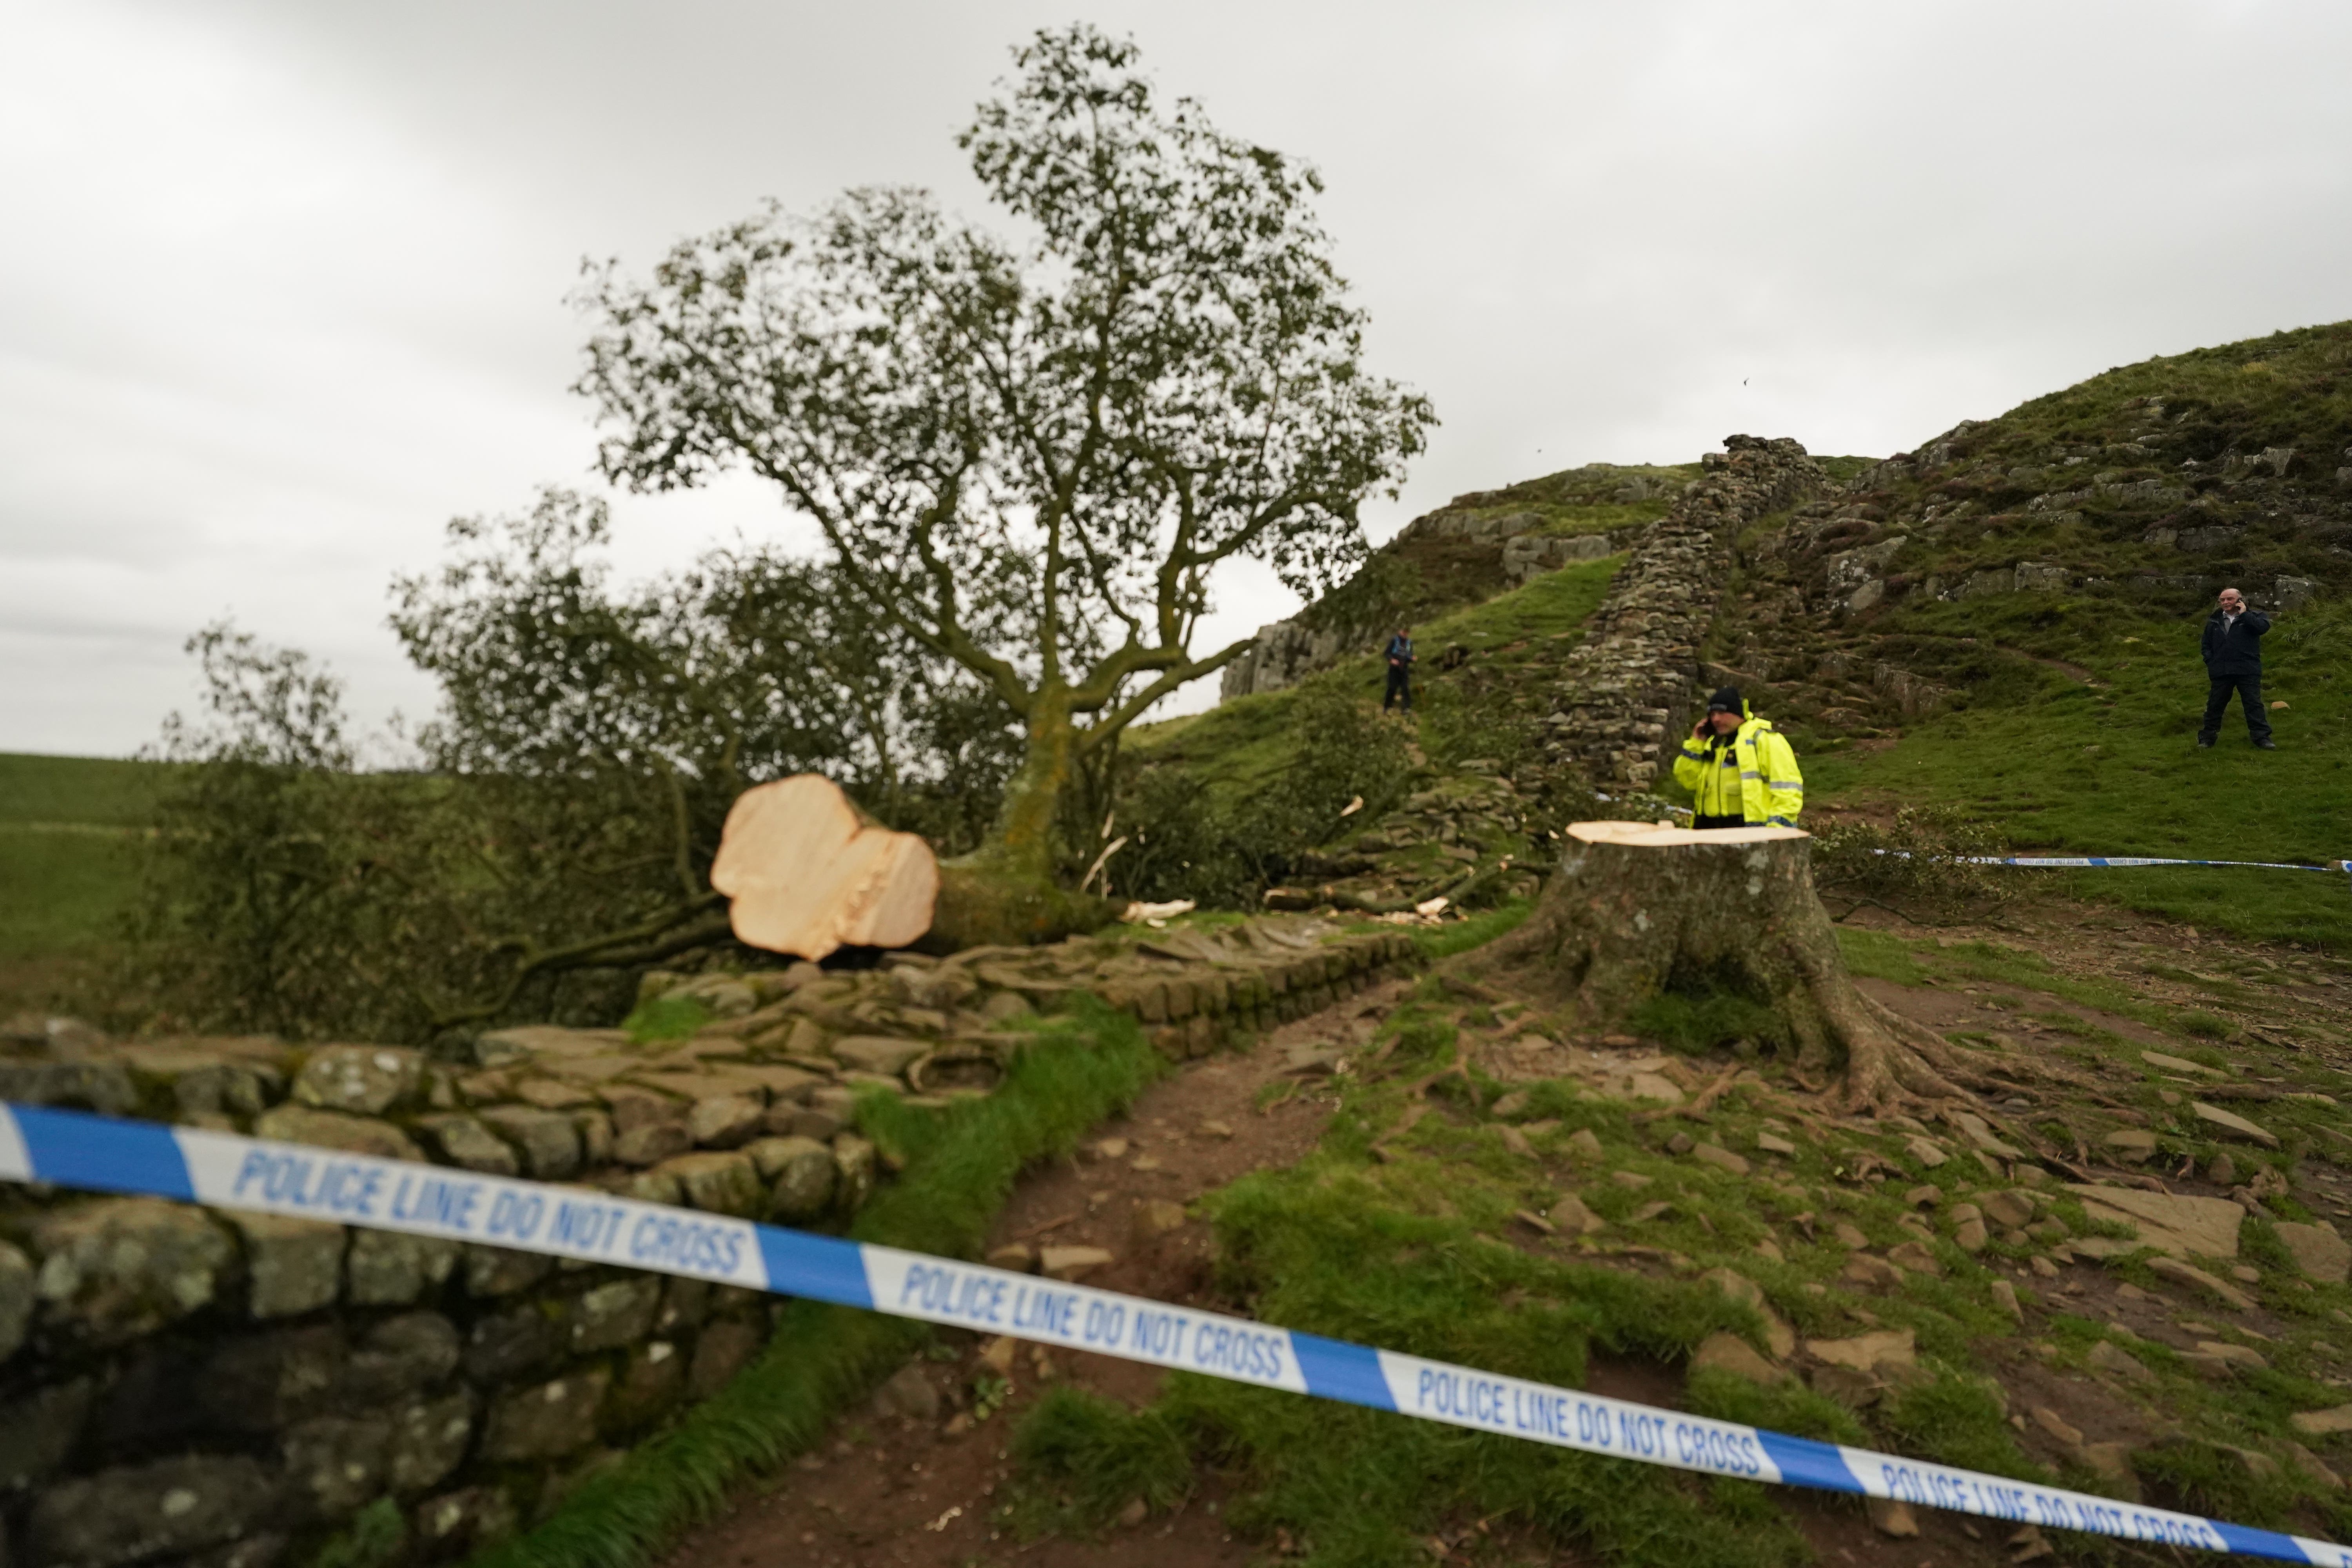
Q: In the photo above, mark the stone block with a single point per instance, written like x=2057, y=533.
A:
x=507, y=1347
x=634, y=1106
x=2325, y=1423
x=139, y=1511
x=2229, y=1125
x=685, y=1303
x=1728, y=1353
x=335, y=1129
x=721, y=1181
x=400, y=1357
x=2111, y=1358
x=908, y=1395
x=1072, y=1263
x=38, y=1429
x=496, y=1271
x=267, y=1382
x=1722, y=1159
x=877, y=1053
x=366, y=1081
x=17, y=1297
x=649, y=1384
x=854, y=1168
x=549, y=1140
x=292, y=1266
x=543, y=1043
x=724, y=1120
x=460, y=1524
x=114, y=1269
x=464, y=1140
x=385, y=1268
x=334, y=1465
x=2181, y=1226
x=801, y=1175
x=723, y=1349
x=205, y=1084
x=546, y=1420
x=428, y=1442
x=615, y=1314
x=595, y=1136
x=103, y=1087
x=651, y=1143
x=2317, y=1250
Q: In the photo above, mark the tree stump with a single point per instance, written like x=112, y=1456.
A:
x=1636, y=909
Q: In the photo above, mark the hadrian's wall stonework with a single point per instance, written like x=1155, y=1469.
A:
x=1635, y=681
x=186, y=1386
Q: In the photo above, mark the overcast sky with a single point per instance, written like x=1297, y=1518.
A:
x=282, y=287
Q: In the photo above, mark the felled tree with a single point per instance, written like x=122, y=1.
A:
x=589, y=744
x=1030, y=457
x=1636, y=909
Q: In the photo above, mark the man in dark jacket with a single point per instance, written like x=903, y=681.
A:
x=1399, y=656
x=2234, y=662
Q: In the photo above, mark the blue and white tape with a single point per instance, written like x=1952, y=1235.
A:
x=2078, y=861
x=221, y=1170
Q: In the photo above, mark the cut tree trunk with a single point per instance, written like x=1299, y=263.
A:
x=808, y=874
x=1635, y=909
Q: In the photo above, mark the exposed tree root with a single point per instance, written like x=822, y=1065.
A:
x=1625, y=921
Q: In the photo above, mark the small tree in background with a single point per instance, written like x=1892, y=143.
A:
x=1029, y=457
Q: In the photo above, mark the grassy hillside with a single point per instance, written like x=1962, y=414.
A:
x=2064, y=714
x=1499, y=649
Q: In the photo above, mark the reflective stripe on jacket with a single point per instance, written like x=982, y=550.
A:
x=1754, y=777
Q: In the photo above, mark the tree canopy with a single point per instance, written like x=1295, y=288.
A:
x=1028, y=455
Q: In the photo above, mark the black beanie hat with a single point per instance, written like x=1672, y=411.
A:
x=1727, y=700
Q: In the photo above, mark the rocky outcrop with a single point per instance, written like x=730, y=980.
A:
x=180, y=1385
x=1636, y=678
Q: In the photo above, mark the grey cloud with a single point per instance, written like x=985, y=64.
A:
x=285, y=287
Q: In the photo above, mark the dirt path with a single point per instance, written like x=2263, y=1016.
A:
x=916, y=1480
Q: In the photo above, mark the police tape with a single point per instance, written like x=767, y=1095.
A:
x=72, y=1149
x=2077, y=862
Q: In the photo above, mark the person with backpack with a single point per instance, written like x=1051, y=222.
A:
x=1740, y=770
x=1399, y=658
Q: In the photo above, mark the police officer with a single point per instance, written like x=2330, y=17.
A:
x=1738, y=769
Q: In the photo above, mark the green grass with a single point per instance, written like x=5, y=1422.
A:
x=2061, y=768
x=2111, y=767
x=961, y=1164
x=69, y=861
x=1512, y=640
x=62, y=891
x=90, y=790
x=1413, y=1252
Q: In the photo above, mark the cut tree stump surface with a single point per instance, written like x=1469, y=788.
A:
x=808, y=875
x=1662, y=836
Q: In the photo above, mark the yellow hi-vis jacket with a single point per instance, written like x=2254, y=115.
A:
x=1754, y=777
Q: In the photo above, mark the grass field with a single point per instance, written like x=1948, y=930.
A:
x=2110, y=766
x=68, y=866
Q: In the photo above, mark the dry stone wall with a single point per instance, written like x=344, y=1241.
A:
x=186, y=1386
x=1636, y=678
